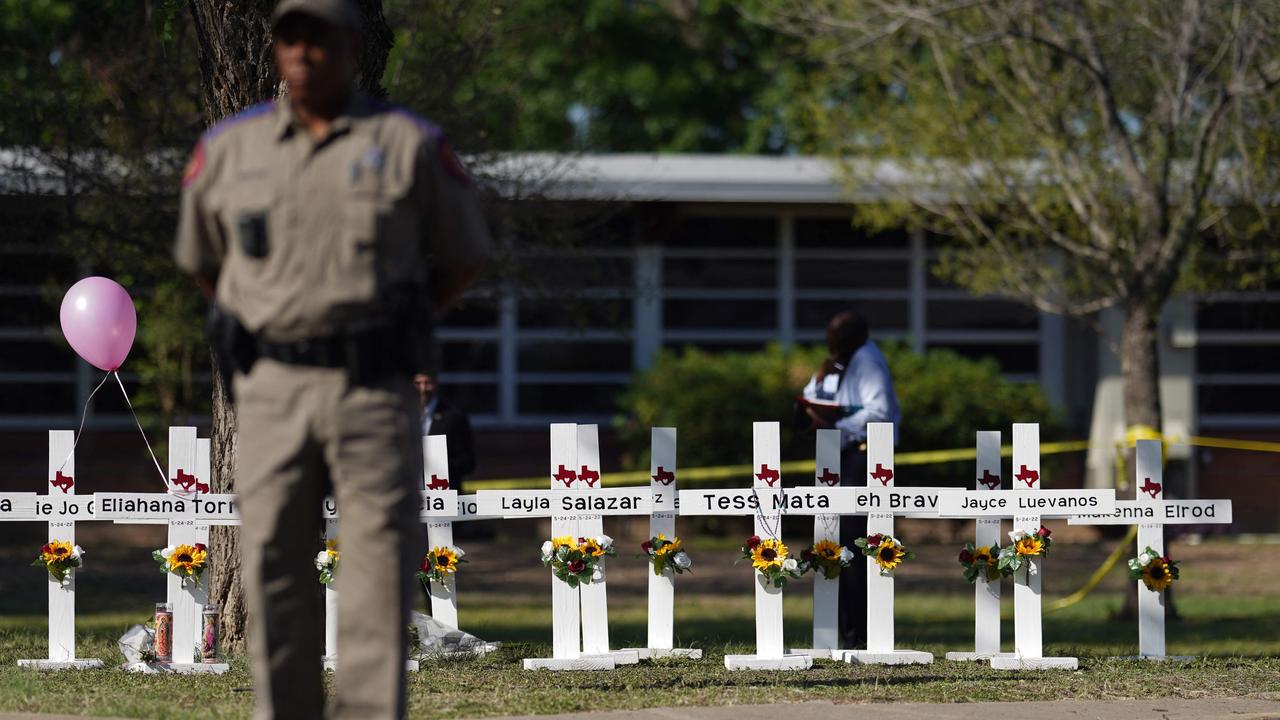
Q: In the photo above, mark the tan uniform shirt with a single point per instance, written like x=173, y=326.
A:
x=304, y=235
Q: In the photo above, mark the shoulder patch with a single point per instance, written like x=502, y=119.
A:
x=449, y=160
x=194, y=165
x=263, y=108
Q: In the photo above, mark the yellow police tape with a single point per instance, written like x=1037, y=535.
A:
x=692, y=477
x=1096, y=578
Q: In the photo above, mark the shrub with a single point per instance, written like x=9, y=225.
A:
x=712, y=399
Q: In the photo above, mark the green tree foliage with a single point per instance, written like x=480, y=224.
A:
x=712, y=398
x=99, y=110
x=1079, y=154
x=595, y=75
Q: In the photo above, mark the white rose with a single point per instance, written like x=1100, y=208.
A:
x=322, y=558
x=458, y=551
x=846, y=556
x=547, y=549
x=1145, y=558
x=682, y=560
x=1016, y=535
x=605, y=541
x=165, y=553
x=789, y=565
x=76, y=551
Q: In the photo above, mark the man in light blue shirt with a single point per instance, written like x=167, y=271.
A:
x=855, y=377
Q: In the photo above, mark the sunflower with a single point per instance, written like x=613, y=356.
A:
x=983, y=556
x=56, y=551
x=1156, y=575
x=590, y=547
x=827, y=550
x=664, y=547
x=889, y=555
x=187, y=560
x=564, y=541
x=768, y=554
x=445, y=559
x=1030, y=545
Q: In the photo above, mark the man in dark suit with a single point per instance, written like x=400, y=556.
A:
x=439, y=417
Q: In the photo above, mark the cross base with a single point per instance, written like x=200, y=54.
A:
x=1016, y=662
x=885, y=657
x=651, y=653
x=757, y=662
x=83, y=664
x=585, y=662
x=331, y=663
x=976, y=656
x=819, y=653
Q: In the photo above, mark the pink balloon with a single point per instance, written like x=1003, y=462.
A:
x=99, y=321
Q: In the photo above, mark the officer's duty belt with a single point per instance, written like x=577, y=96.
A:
x=366, y=353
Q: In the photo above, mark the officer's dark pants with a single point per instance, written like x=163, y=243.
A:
x=853, y=579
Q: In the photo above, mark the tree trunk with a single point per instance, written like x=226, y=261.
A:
x=237, y=70
x=1140, y=368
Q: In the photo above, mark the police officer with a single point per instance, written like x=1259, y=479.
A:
x=320, y=223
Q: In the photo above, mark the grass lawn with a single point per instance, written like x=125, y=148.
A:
x=1236, y=637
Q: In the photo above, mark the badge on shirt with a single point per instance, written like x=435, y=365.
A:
x=370, y=163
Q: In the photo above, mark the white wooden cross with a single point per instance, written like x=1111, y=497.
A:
x=760, y=503
x=1152, y=512
x=1027, y=504
x=986, y=594
x=60, y=510
x=880, y=629
x=437, y=504
x=826, y=593
x=572, y=504
x=444, y=595
x=662, y=588
x=594, y=595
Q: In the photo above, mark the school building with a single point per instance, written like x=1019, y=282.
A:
x=731, y=252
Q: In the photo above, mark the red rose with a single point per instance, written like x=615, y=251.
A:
x=806, y=555
x=45, y=549
x=577, y=566
x=646, y=546
x=753, y=541
x=1166, y=559
x=1043, y=532
x=874, y=540
x=581, y=540
x=426, y=565
x=965, y=557
x=201, y=547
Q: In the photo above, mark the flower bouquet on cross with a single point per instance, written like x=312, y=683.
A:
x=1157, y=572
x=186, y=561
x=981, y=561
x=440, y=563
x=827, y=557
x=1025, y=548
x=576, y=563
x=886, y=550
x=666, y=554
x=769, y=558
x=327, y=561
x=59, y=558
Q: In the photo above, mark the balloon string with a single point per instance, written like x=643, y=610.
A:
x=163, y=478
x=84, y=412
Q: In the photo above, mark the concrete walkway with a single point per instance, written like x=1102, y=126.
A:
x=1254, y=708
